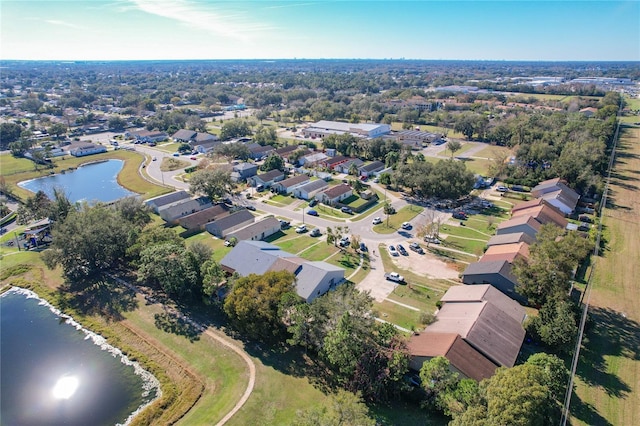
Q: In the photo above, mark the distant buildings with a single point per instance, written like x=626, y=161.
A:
x=325, y=128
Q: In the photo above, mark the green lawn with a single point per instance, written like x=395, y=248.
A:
x=10, y=165
x=493, y=151
x=319, y=251
x=465, y=147
x=469, y=246
x=296, y=244
x=347, y=260
x=405, y=214
x=170, y=147
x=464, y=231
x=280, y=200
x=396, y=314
x=417, y=296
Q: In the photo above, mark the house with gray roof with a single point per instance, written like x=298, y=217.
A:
x=310, y=189
x=515, y=237
x=497, y=273
x=197, y=221
x=525, y=224
x=485, y=292
x=228, y=224
x=257, y=231
x=172, y=212
x=371, y=168
x=242, y=171
x=184, y=135
x=287, y=186
x=325, y=128
x=335, y=194
x=87, y=149
x=346, y=166
x=162, y=200
x=256, y=257
x=266, y=179
x=558, y=194
x=416, y=139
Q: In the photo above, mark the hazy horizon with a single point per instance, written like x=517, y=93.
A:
x=516, y=30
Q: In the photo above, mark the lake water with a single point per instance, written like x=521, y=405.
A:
x=54, y=372
x=91, y=182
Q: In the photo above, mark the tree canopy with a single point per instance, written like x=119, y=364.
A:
x=214, y=183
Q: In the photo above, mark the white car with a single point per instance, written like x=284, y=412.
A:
x=377, y=220
x=301, y=229
x=393, y=251
x=406, y=225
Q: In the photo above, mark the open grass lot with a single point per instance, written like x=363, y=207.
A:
x=467, y=231
x=396, y=314
x=405, y=214
x=478, y=166
x=413, y=278
x=465, y=147
x=493, y=151
x=347, y=260
x=10, y=165
x=459, y=260
x=632, y=103
x=129, y=177
x=168, y=147
x=280, y=200
x=417, y=296
x=608, y=379
x=475, y=247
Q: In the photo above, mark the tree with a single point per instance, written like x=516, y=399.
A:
x=213, y=183
x=453, y=146
x=256, y=303
x=89, y=241
x=438, y=380
x=57, y=129
x=272, y=162
x=548, y=271
x=342, y=409
x=9, y=133
x=232, y=129
x=116, y=123
x=265, y=135
x=233, y=151
x=556, y=324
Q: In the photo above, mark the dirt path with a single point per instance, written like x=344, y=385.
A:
x=217, y=337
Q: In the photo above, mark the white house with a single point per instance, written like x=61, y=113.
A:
x=335, y=194
x=325, y=128
x=310, y=189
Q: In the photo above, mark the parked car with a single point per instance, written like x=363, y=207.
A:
x=301, y=229
x=315, y=232
x=346, y=210
x=312, y=213
x=585, y=218
x=392, y=251
x=584, y=227
x=394, y=276
x=402, y=250
x=260, y=188
x=432, y=240
x=376, y=180
x=284, y=224
x=176, y=154
x=344, y=242
x=250, y=207
x=377, y=220
x=502, y=188
x=363, y=247
x=154, y=159
x=460, y=215
x=416, y=247
x=405, y=225
x=313, y=202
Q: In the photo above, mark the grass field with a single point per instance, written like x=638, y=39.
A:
x=608, y=375
x=405, y=214
x=493, y=151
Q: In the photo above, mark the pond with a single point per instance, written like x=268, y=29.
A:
x=90, y=182
x=54, y=372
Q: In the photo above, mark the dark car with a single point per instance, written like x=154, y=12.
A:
x=416, y=247
x=460, y=215
x=313, y=202
x=312, y=213
x=363, y=247
x=250, y=207
x=402, y=250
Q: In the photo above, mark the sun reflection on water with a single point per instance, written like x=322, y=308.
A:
x=65, y=387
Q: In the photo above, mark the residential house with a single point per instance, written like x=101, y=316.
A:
x=184, y=135
x=204, y=143
x=310, y=189
x=333, y=162
x=589, y=111
x=147, y=136
x=463, y=358
x=287, y=186
x=481, y=293
x=266, y=179
x=325, y=128
x=483, y=325
x=525, y=224
x=508, y=252
x=228, y=224
x=173, y=211
x=371, y=168
x=515, y=237
x=346, y=166
x=543, y=214
x=242, y=171
x=258, y=151
x=257, y=231
x=197, y=221
x=335, y=194
x=497, y=273
x=256, y=257
x=87, y=149
x=558, y=194
x=315, y=158
x=286, y=151
x=162, y=200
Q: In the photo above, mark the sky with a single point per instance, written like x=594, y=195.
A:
x=552, y=30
